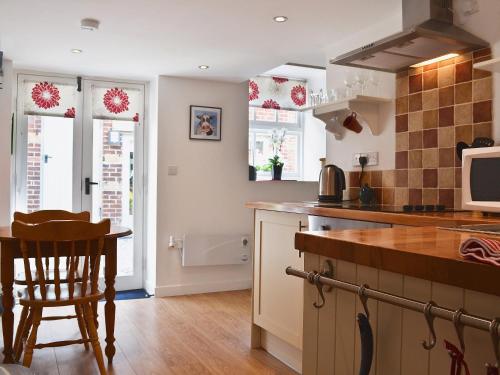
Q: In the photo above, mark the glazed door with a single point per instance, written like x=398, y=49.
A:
x=79, y=147
x=112, y=167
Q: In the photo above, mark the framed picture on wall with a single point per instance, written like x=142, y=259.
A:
x=205, y=123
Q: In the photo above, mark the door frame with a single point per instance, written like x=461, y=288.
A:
x=20, y=160
x=136, y=280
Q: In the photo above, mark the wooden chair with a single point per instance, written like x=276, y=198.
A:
x=58, y=239
x=42, y=216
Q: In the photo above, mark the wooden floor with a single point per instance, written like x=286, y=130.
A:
x=200, y=334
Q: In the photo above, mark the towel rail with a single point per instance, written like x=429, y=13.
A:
x=434, y=310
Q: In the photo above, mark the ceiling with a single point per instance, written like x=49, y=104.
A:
x=142, y=39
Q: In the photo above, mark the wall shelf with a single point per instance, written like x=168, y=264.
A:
x=492, y=65
x=366, y=107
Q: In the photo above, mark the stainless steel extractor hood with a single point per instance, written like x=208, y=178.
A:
x=428, y=32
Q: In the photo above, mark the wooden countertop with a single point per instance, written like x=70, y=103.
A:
x=426, y=252
x=445, y=219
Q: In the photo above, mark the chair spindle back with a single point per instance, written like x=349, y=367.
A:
x=42, y=216
x=57, y=239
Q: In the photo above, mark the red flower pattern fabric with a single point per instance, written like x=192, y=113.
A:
x=269, y=103
x=116, y=100
x=298, y=95
x=253, y=91
x=70, y=113
x=280, y=80
x=45, y=95
x=136, y=118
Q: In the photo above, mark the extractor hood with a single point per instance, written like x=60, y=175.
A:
x=428, y=32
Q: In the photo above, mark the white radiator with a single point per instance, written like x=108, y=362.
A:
x=215, y=250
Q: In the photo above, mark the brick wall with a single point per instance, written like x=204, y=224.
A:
x=111, y=176
x=437, y=106
x=34, y=163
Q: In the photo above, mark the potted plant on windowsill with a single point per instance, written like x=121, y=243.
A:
x=276, y=167
x=277, y=138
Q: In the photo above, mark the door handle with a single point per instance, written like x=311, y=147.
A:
x=301, y=226
x=88, y=183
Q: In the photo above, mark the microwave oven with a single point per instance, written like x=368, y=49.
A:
x=481, y=179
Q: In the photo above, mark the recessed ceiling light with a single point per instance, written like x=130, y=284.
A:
x=89, y=24
x=280, y=19
x=76, y=50
x=203, y=67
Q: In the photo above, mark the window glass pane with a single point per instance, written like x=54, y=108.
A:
x=113, y=167
x=263, y=151
x=265, y=114
x=288, y=117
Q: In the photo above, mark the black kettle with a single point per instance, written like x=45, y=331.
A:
x=331, y=184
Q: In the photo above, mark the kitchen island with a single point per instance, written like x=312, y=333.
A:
x=422, y=263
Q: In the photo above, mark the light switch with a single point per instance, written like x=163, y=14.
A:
x=172, y=170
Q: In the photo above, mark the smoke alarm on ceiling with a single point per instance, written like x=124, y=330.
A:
x=89, y=24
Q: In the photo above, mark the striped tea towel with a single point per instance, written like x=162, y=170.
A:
x=484, y=250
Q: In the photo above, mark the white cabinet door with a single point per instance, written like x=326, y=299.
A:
x=278, y=298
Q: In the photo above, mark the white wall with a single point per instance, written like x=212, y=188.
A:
x=5, y=137
x=209, y=192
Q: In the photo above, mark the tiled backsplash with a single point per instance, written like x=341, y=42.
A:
x=437, y=106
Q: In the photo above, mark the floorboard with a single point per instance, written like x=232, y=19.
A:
x=198, y=334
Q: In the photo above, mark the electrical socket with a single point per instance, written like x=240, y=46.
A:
x=371, y=156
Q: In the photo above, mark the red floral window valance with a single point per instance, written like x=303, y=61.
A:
x=277, y=93
x=49, y=98
x=116, y=103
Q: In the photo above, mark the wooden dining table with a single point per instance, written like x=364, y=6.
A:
x=10, y=250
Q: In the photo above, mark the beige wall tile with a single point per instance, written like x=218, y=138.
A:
x=388, y=196
x=402, y=105
x=415, y=178
x=402, y=141
x=415, y=121
x=415, y=159
x=446, y=137
x=430, y=99
x=463, y=93
x=388, y=178
x=400, y=196
x=430, y=158
x=429, y=196
x=401, y=87
x=482, y=89
x=446, y=76
x=463, y=133
x=430, y=119
x=463, y=114
x=446, y=178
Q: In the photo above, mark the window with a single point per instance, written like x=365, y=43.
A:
x=263, y=122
